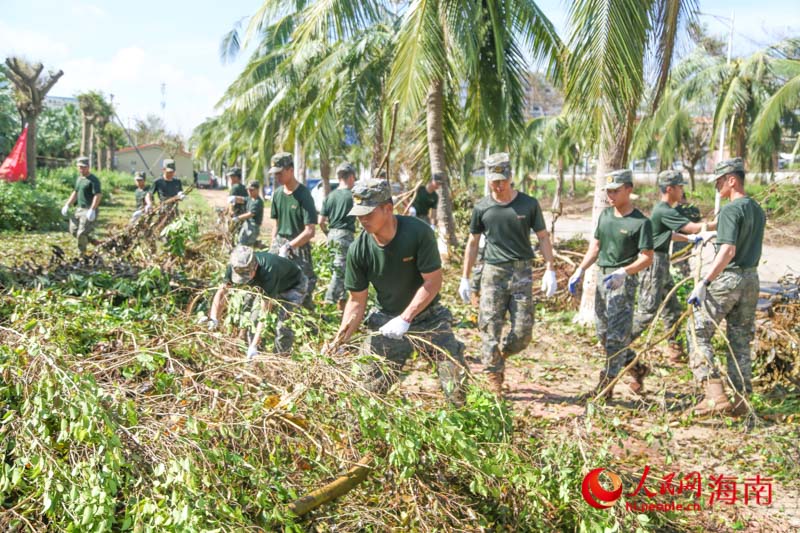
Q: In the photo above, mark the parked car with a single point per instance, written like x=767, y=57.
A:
x=318, y=191
x=206, y=181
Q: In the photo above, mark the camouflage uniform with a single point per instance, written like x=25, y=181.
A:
x=286, y=303
x=340, y=240
x=81, y=228
x=506, y=287
x=614, y=320
x=86, y=187
x=655, y=282
x=477, y=270
x=248, y=235
x=302, y=258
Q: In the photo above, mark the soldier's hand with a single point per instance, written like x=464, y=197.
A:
x=412, y=211
x=463, y=289
x=574, y=280
x=181, y=195
x=91, y=214
x=615, y=280
x=65, y=210
x=213, y=324
x=395, y=328
x=698, y=295
x=232, y=199
x=549, y=283
x=252, y=351
x=285, y=250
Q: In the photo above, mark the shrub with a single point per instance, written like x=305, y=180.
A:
x=23, y=207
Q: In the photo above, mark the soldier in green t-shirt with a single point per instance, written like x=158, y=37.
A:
x=425, y=201
x=275, y=280
x=238, y=196
x=691, y=212
x=142, y=196
x=294, y=218
x=336, y=213
x=623, y=247
x=168, y=186
x=87, y=194
x=506, y=218
x=655, y=282
x=253, y=216
x=399, y=257
x=728, y=291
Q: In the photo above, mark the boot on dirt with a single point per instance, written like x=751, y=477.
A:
x=602, y=384
x=740, y=406
x=715, y=401
x=495, y=380
x=675, y=353
x=638, y=372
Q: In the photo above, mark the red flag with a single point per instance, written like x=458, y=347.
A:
x=15, y=167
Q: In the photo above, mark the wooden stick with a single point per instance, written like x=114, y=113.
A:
x=385, y=161
x=338, y=487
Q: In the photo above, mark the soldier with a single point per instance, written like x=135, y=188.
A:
x=655, y=282
x=729, y=291
x=622, y=246
x=295, y=217
x=691, y=212
x=398, y=256
x=88, y=195
x=506, y=218
x=142, y=195
x=238, y=197
x=335, y=211
x=167, y=186
x=252, y=217
x=425, y=201
x=275, y=278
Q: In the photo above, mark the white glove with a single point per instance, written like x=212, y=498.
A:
x=395, y=328
x=615, y=280
x=285, y=250
x=698, y=295
x=91, y=214
x=463, y=289
x=433, y=227
x=707, y=235
x=181, y=195
x=549, y=283
x=232, y=199
x=65, y=210
x=213, y=324
x=252, y=351
x=574, y=280
x=412, y=211
x=235, y=218
x=148, y=208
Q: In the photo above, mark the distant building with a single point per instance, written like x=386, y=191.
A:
x=128, y=160
x=59, y=102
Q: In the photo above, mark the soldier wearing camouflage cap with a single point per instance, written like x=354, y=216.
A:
x=655, y=282
x=622, y=247
x=142, y=195
x=87, y=193
x=506, y=218
x=294, y=219
x=253, y=216
x=168, y=186
x=238, y=194
x=398, y=256
x=335, y=214
x=274, y=283
x=426, y=200
x=729, y=291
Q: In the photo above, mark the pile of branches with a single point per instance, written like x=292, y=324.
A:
x=777, y=346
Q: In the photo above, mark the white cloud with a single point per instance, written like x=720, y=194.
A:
x=33, y=45
x=87, y=10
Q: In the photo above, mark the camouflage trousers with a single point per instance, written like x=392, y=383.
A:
x=302, y=258
x=283, y=305
x=732, y=296
x=506, y=288
x=81, y=228
x=248, y=234
x=340, y=240
x=438, y=342
x=655, y=282
x=477, y=272
x=613, y=316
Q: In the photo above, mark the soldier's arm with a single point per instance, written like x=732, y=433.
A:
x=275, y=228
x=96, y=200
x=352, y=316
x=470, y=254
x=644, y=260
x=724, y=256
x=323, y=223
x=260, y=324
x=72, y=198
x=697, y=227
x=305, y=236
x=546, y=247
x=218, y=304
x=591, y=255
x=431, y=285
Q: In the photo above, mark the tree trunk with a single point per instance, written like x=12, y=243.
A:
x=555, y=209
x=435, y=123
x=84, y=135
x=30, y=149
x=325, y=173
x=572, y=185
x=613, y=156
x=690, y=170
x=90, y=147
x=299, y=162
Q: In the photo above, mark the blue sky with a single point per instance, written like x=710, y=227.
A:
x=130, y=48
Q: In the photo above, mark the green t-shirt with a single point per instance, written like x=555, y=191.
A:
x=395, y=270
x=239, y=190
x=87, y=187
x=293, y=211
x=336, y=206
x=274, y=274
x=741, y=223
x=140, y=195
x=622, y=238
x=167, y=189
x=507, y=227
x=256, y=206
x=665, y=219
x=424, y=201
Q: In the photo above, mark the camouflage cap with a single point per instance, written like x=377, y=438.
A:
x=727, y=166
x=82, y=161
x=618, y=178
x=169, y=164
x=254, y=185
x=369, y=194
x=670, y=177
x=280, y=161
x=499, y=166
x=437, y=177
x=345, y=169
x=234, y=172
x=243, y=264
x=140, y=175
